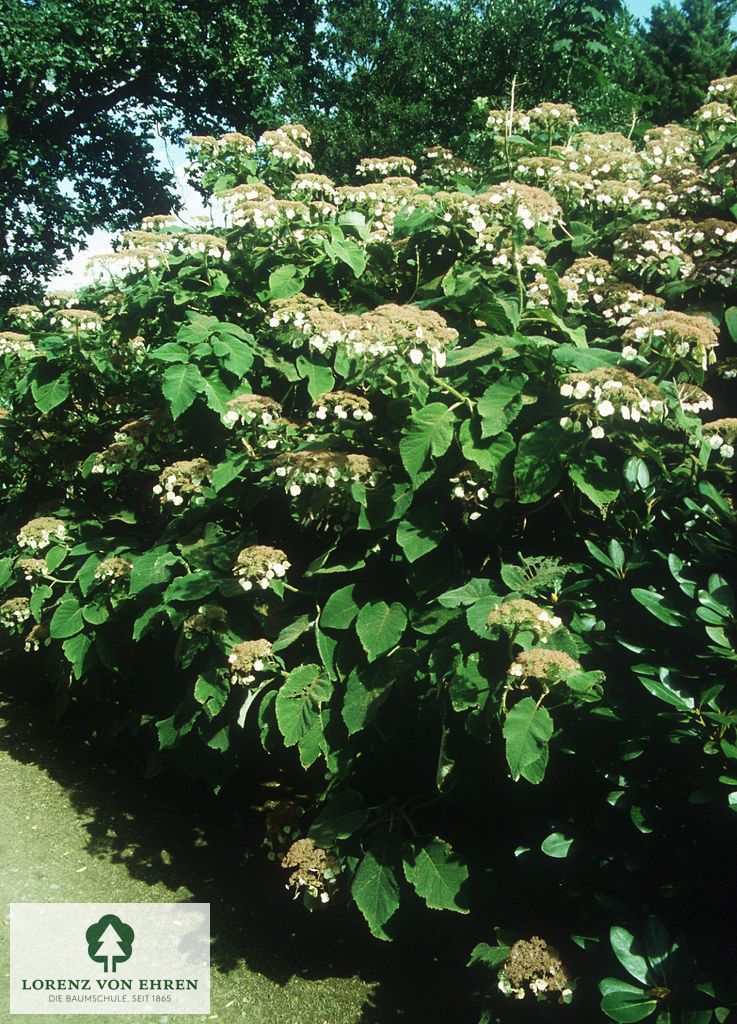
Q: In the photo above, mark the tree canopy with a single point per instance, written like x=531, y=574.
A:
x=85, y=83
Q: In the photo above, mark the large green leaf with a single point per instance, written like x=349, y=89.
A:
x=340, y=609
x=342, y=815
x=380, y=627
x=430, y=431
x=180, y=385
x=375, y=887
x=48, y=396
x=419, y=533
x=236, y=355
x=67, y=619
x=655, y=604
x=527, y=730
x=500, y=404
x=437, y=875
x=624, y=946
x=539, y=461
x=299, y=705
x=625, y=1003
x=285, y=281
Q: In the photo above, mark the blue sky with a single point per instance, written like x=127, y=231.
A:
x=640, y=8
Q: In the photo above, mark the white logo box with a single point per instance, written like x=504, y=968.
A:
x=108, y=958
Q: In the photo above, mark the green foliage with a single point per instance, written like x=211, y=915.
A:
x=424, y=495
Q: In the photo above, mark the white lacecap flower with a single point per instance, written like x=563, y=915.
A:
x=597, y=432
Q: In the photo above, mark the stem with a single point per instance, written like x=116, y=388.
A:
x=452, y=391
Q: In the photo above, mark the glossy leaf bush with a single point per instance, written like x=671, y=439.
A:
x=421, y=488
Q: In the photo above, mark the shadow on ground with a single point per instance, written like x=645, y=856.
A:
x=204, y=849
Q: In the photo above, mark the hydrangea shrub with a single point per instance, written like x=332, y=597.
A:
x=422, y=487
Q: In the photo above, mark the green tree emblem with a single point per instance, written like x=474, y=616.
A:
x=109, y=942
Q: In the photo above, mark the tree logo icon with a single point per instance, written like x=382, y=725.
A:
x=109, y=942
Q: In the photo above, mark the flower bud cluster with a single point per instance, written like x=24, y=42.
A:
x=26, y=315
x=341, y=406
x=83, y=321
x=14, y=612
x=209, y=618
x=32, y=568
x=182, y=480
x=258, y=565
x=249, y=659
x=326, y=469
x=671, y=145
x=40, y=533
x=313, y=871
x=721, y=436
x=407, y=331
x=115, y=571
x=508, y=122
x=535, y=967
x=38, y=637
x=59, y=299
x=517, y=615
x=282, y=145
x=693, y=399
x=548, y=115
x=469, y=489
x=382, y=166
x=257, y=412
x=313, y=186
x=13, y=344
x=544, y=664
x=716, y=115
x=611, y=395
x=723, y=89
x=675, y=335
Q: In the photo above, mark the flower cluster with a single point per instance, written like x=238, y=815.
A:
x=471, y=491
x=25, y=314
x=333, y=470
x=183, y=479
x=257, y=412
x=611, y=394
x=15, y=344
x=313, y=871
x=518, y=615
x=40, y=533
x=32, y=568
x=258, y=565
x=724, y=89
x=209, y=618
x=671, y=145
x=674, y=335
x=313, y=186
x=282, y=145
x=549, y=115
x=14, y=612
x=381, y=202
x=38, y=637
x=534, y=967
x=445, y=165
x=84, y=321
x=508, y=122
x=340, y=406
x=721, y=436
x=383, y=166
x=249, y=659
x=407, y=331
x=159, y=222
x=115, y=571
x=59, y=299
x=544, y=664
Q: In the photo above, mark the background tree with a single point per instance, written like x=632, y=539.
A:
x=683, y=48
x=402, y=74
x=85, y=83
